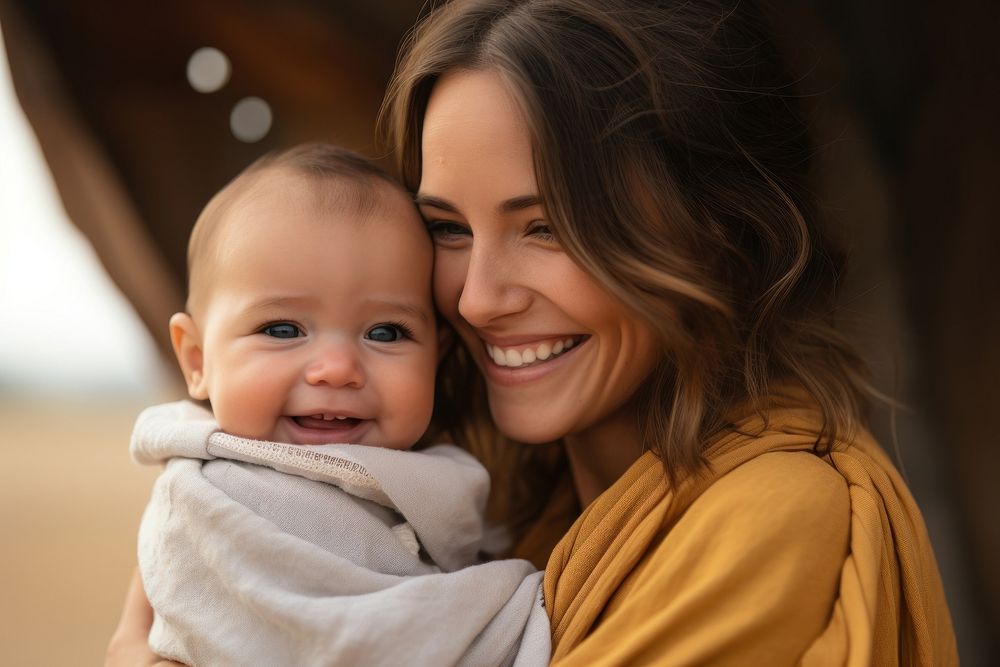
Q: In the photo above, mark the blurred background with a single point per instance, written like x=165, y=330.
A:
x=119, y=120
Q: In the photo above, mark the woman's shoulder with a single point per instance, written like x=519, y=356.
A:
x=781, y=514
x=785, y=495
x=793, y=475
x=748, y=573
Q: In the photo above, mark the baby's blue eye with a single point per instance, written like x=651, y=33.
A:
x=385, y=333
x=281, y=330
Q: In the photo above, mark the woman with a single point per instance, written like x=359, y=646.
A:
x=626, y=245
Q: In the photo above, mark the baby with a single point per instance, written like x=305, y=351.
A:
x=310, y=323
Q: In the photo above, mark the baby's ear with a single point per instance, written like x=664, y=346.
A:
x=186, y=339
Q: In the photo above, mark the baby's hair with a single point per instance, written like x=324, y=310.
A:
x=348, y=179
x=327, y=162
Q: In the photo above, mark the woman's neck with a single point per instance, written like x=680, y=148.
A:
x=602, y=454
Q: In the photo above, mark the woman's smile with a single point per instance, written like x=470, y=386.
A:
x=528, y=363
x=519, y=355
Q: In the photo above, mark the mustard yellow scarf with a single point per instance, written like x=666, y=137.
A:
x=890, y=606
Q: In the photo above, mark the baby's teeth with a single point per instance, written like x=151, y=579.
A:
x=320, y=416
x=544, y=351
x=341, y=418
x=558, y=347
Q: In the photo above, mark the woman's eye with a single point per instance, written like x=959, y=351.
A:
x=542, y=231
x=387, y=333
x=445, y=230
x=281, y=330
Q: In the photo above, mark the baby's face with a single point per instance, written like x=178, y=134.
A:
x=318, y=325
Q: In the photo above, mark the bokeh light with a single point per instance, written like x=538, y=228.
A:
x=208, y=70
x=250, y=120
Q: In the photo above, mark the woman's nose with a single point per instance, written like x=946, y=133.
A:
x=492, y=289
x=336, y=364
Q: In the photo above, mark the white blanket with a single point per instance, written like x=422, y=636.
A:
x=260, y=553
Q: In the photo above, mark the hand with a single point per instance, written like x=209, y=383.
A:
x=129, y=645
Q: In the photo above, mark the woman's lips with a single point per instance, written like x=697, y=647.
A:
x=314, y=430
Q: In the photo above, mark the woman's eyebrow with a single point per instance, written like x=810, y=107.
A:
x=436, y=202
x=515, y=204
x=511, y=205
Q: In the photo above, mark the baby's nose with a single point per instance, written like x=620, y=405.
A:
x=336, y=364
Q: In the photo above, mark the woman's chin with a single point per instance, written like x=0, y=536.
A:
x=530, y=426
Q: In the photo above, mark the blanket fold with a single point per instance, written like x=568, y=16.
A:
x=264, y=553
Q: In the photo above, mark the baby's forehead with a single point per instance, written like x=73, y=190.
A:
x=275, y=200
x=272, y=194
x=356, y=194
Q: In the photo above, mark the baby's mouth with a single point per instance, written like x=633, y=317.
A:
x=329, y=423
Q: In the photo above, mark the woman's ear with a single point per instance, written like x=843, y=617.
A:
x=446, y=338
x=186, y=339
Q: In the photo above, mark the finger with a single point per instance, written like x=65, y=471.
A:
x=137, y=615
x=129, y=645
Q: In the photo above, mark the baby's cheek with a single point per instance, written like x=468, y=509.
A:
x=409, y=402
x=248, y=405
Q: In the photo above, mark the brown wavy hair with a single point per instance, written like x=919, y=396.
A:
x=673, y=160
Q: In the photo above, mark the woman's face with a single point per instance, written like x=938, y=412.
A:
x=559, y=354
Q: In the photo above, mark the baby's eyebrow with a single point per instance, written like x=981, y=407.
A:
x=277, y=301
x=402, y=306
x=267, y=302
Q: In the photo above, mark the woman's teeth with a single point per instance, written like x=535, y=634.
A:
x=515, y=358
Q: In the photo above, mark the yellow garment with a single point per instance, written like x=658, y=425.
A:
x=775, y=557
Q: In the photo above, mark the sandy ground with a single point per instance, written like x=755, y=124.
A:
x=70, y=503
